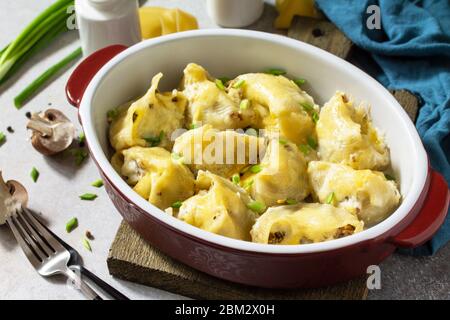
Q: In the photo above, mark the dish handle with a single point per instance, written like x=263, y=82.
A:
x=86, y=70
x=431, y=215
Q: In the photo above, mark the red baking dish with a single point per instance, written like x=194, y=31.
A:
x=117, y=74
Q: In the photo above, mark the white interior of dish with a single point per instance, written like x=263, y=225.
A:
x=232, y=52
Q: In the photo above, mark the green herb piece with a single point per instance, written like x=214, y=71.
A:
x=282, y=141
x=80, y=155
x=312, y=143
x=34, y=86
x=256, y=206
x=251, y=132
x=97, y=183
x=224, y=79
x=330, y=198
x=87, y=244
x=155, y=141
x=2, y=137
x=81, y=137
x=315, y=116
x=256, y=168
x=236, y=178
x=244, y=104
x=34, y=174
x=291, y=201
x=177, y=204
x=299, y=81
x=219, y=84
x=238, y=83
x=307, y=107
x=71, y=225
x=304, y=148
x=248, y=184
x=193, y=126
x=275, y=72
x=88, y=196
x=112, y=114
x=176, y=156
x=389, y=177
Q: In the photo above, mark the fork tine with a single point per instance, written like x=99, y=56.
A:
x=26, y=249
x=37, y=225
x=39, y=239
x=34, y=245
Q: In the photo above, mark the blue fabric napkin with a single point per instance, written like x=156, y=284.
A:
x=411, y=51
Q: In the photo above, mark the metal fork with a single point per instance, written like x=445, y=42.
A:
x=45, y=252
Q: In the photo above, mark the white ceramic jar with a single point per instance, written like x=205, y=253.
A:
x=235, y=13
x=106, y=22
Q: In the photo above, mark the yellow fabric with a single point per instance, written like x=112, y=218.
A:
x=157, y=21
x=287, y=9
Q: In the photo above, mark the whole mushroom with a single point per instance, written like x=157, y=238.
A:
x=52, y=131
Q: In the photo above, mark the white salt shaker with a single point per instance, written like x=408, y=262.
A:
x=102, y=23
x=235, y=13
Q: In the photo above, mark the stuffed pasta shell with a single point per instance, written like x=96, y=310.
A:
x=346, y=135
x=365, y=193
x=219, y=207
x=149, y=121
x=304, y=223
x=281, y=176
x=156, y=176
x=220, y=152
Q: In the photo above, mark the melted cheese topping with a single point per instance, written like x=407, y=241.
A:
x=156, y=176
x=219, y=207
x=304, y=223
x=283, y=99
x=364, y=193
x=155, y=115
x=283, y=175
x=346, y=135
x=220, y=152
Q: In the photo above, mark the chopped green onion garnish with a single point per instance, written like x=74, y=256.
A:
x=315, y=116
x=255, y=169
x=275, y=72
x=389, y=177
x=2, y=137
x=112, y=114
x=87, y=244
x=307, y=107
x=219, y=84
x=155, y=141
x=34, y=174
x=282, y=141
x=80, y=155
x=81, y=137
x=238, y=84
x=291, y=201
x=97, y=183
x=88, y=196
x=251, y=132
x=176, y=156
x=224, y=79
x=247, y=184
x=299, y=81
x=236, y=178
x=312, y=143
x=304, y=148
x=193, y=126
x=177, y=204
x=256, y=206
x=71, y=225
x=244, y=104
x=330, y=198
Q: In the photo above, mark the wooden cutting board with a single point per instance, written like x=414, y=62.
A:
x=131, y=258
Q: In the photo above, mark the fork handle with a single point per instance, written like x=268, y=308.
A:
x=86, y=290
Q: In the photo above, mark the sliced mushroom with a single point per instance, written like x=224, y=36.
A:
x=18, y=192
x=13, y=195
x=52, y=132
